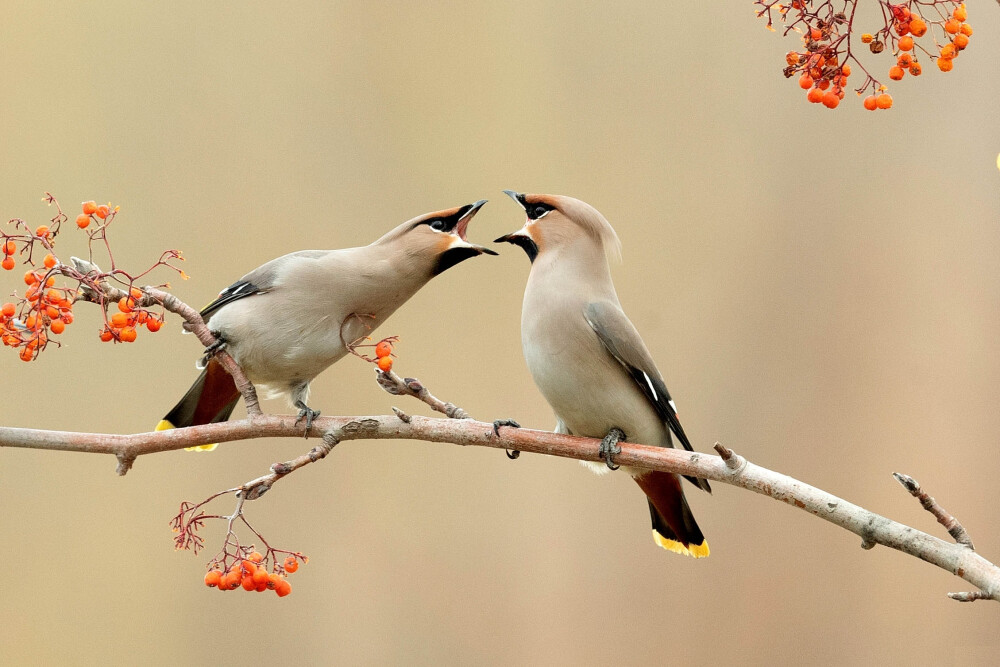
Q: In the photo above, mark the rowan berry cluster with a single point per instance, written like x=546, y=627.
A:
x=827, y=29
x=383, y=351
x=235, y=565
x=28, y=322
x=250, y=574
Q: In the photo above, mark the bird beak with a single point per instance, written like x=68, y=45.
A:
x=463, y=224
x=521, y=237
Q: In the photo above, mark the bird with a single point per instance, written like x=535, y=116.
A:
x=289, y=319
x=589, y=361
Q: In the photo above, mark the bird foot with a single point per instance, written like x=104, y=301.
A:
x=609, y=447
x=497, y=423
x=211, y=350
x=307, y=413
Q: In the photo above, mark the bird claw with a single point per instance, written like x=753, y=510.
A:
x=307, y=413
x=609, y=447
x=497, y=423
x=211, y=350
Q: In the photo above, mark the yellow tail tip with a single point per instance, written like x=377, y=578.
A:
x=165, y=425
x=693, y=550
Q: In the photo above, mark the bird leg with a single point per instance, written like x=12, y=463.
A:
x=220, y=342
x=497, y=423
x=307, y=413
x=609, y=447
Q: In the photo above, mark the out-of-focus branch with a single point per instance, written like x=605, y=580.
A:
x=728, y=468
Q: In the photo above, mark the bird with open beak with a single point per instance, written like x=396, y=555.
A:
x=589, y=361
x=288, y=320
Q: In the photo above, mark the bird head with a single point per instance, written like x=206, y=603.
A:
x=439, y=239
x=554, y=221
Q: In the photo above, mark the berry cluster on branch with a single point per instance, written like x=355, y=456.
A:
x=827, y=28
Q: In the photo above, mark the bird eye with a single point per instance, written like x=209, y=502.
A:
x=438, y=225
x=537, y=211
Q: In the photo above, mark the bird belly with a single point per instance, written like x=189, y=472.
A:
x=591, y=393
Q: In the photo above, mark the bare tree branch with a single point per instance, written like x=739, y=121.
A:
x=729, y=468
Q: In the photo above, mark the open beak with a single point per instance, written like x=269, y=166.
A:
x=520, y=237
x=467, y=214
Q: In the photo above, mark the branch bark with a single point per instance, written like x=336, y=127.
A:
x=728, y=468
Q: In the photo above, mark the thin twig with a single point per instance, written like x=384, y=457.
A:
x=950, y=523
x=398, y=386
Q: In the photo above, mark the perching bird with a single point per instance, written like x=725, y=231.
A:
x=588, y=359
x=288, y=320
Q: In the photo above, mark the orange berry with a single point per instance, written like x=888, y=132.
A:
x=846, y=70
x=141, y=317
x=233, y=580
x=8, y=310
x=824, y=84
x=57, y=326
x=961, y=41
x=125, y=304
x=283, y=588
x=792, y=58
x=213, y=578
x=291, y=566
x=256, y=557
x=260, y=576
x=870, y=103
x=154, y=324
x=90, y=207
x=952, y=26
x=815, y=95
x=902, y=27
x=385, y=364
x=805, y=82
x=42, y=230
x=8, y=263
x=916, y=69
x=896, y=73
x=52, y=312
x=49, y=261
x=119, y=320
x=867, y=38
x=128, y=335
x=884, y=101
x=67, y=317
x=945, y=64
x=261, y=586
x=966, y=30
x=136, y=293
x=960, y=12
x=948, y=51
x=383, y=349
x=918, y=27
x=248, y=584
x=831, y=99
x=83, y=221
x=906, y=43
x=905, y=60
x=27, y=353
x=249, y=567
x=106, y=335
x=31, y=321
x=9, y=248
x=102, y=211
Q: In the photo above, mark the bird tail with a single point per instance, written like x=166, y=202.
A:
x=674, y=527
x=211, y=399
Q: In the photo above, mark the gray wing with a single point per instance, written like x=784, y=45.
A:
x=258, y=281
x=622, y=340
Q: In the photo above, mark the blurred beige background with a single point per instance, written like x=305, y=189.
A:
x=820, y=289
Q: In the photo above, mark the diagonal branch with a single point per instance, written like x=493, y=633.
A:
x=729, y=468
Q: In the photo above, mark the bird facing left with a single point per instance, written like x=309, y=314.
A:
x=288, y=320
